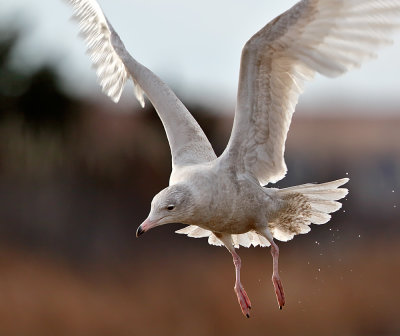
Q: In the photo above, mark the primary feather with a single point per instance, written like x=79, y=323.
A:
x=97, y=33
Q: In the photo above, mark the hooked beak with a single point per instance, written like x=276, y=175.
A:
x=145, y=226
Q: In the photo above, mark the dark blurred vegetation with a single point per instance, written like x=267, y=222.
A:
x=77, y=178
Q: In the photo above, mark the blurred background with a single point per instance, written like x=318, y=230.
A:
x=77, y=174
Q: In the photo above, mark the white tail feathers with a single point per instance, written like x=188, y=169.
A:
x=306, y=204
x=302, y=205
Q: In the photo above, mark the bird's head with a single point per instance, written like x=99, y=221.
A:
x=171, y=205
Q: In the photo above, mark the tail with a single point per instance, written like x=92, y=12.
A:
x=306, y=204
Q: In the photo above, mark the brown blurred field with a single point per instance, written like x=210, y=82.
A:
x=192, y=294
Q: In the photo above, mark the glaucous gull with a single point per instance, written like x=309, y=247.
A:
x=224, y=198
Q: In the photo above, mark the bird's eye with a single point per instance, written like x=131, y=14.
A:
x=170, y=207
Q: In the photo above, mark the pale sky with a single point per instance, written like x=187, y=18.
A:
x=193, y=45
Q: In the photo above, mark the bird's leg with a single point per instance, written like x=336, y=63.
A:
x=241, y=294
x=276, y=280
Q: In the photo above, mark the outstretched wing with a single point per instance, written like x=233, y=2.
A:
x=115, y=66
x=325, y=36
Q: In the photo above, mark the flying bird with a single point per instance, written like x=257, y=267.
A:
x=225, y=198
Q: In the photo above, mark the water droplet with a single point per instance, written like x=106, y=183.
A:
x=319, y=270
x=347, y=173
x=392, y=191
x=344, y=210
x=359, y=236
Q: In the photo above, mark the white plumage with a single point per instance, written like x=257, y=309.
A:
x=224, y=198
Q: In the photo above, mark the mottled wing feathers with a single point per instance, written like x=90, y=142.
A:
x=115, y=65
x=325, y=36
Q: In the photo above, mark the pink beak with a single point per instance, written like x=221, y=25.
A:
x=145, y=226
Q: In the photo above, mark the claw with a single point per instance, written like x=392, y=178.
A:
x=243, y=300
x=280, y=295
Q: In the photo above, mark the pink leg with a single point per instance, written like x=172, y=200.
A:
x=280, y=295
x=241, y=294
x=276, y=280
